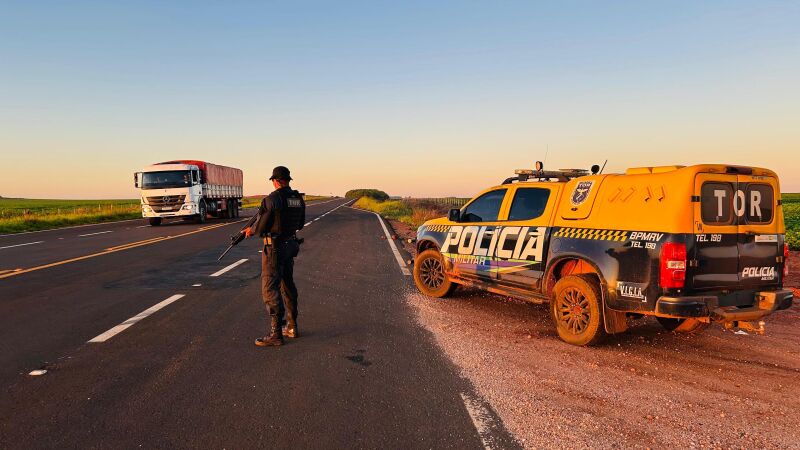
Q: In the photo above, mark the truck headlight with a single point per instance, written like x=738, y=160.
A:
x=188, y=206
x=146, y=208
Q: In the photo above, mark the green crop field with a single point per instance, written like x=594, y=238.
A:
x=791, y=213
x=18, y=215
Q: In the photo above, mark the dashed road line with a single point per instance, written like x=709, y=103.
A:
x=130, y=322
x=95, y=234
x=230, y=267
x=326, y=213
x=21, y=245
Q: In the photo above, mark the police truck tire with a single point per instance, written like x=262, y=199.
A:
x=681, y=325
x=201, y=216
x=577, y=310
x=154, y=221
x=429, y=275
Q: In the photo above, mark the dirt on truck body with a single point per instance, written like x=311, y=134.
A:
x=688, y=245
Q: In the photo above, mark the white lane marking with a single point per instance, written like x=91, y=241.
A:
x=125, y=325
x=143, y=226
x=322, y=203
x=37, y=372
x=326, y=213
x=392, y=245
x=231, y=267
x=196, y=285
x=94, y=234
x=481, y=419
x=20, y=245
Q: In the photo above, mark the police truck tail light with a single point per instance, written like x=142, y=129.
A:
x=785, y=260
x=673, y=265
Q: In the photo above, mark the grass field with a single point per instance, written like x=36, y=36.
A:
x=415, y=212
x=18, y=215
x=412, y=212
x=23, y=214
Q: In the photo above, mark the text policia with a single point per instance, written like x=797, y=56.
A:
x=482, y=243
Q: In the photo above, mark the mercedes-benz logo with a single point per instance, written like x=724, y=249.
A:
x=165, y=199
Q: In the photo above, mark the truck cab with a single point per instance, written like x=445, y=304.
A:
x=190, y=190
x=688, y=245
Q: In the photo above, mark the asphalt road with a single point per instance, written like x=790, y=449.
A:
x=364, y=373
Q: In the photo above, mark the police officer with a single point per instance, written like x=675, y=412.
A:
x=281, y=214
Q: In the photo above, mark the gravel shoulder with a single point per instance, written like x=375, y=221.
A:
x=647, y=388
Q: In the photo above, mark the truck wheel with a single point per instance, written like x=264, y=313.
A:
x=578, y=310
x=154, y=221
x=201, y=216
x=429, y=275
x=681, y=325
x=236, y=209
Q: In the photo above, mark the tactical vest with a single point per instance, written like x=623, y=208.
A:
x=289, y=218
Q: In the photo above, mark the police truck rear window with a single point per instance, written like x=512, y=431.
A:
x=759, y=199
x=716, y=203
x=723, y=204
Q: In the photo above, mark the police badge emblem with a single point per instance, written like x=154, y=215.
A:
x=581, y=192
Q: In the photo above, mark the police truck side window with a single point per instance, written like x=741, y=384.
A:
x=716, y=203
x=485, y=208
x=529, y=203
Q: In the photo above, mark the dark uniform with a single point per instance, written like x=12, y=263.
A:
x=282, y=214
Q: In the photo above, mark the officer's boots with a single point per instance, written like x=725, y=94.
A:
x=275, y=338
x=290, y=330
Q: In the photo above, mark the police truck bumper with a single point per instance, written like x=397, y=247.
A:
x=764, y=304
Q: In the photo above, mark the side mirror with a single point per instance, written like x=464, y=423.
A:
x=454, y=215
x=136, y=179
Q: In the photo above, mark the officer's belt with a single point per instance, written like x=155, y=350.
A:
x=273, y=238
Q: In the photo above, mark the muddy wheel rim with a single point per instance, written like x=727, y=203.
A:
x=431, y=273
x=573, y=310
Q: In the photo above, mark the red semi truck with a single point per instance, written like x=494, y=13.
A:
x=189, y=189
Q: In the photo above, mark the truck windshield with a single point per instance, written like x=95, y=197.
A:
x=170, y=179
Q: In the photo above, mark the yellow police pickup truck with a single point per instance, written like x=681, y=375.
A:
x=688, y=245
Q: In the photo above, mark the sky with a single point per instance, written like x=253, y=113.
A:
x=425, y=99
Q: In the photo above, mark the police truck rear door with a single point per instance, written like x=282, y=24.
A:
x=755, y=208
x=736, y=240
x=715, y=255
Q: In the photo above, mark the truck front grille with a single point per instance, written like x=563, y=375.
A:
x=166, y=202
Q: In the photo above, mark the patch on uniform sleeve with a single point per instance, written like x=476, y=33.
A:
x=581, y=192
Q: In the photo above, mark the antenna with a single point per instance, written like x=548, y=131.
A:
x=604, y=166
x=546, y=152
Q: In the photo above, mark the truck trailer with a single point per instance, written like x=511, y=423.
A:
x=189, y=189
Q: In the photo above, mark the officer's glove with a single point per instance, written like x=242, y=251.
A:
x=247, y=232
